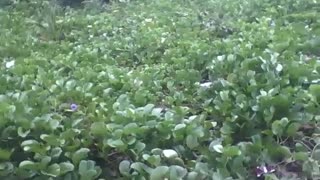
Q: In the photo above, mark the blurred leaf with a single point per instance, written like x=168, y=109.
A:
x=66, y=167
x=98, y=128
x=5, y=154
x=301, y=156
x=23, y=133
x=177, y=172
x=140, y=146
x=79, y=155
x=52, y=170
x=130, y=128
x=124, y=167
x=169, y=153
x=55, y=152
x=292, y=129
x=192, y=176
x=50, y=139
x=231, y=151
x=115, y=143
x=29, y=165
x=315, y=90
x=316, y=154
x=159, y=173
x=192, y=141
x=87, y=170
x=277, y=128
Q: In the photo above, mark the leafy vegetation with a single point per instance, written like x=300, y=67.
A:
x=160, y=89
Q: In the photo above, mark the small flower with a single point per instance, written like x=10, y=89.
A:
x=261, y=170
x=73, y=107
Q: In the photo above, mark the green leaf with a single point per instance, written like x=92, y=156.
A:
x=33, y=146
x=301, y=156
x=137, y=166
x=159, y=173
x=315, y=91
x=53, y=170
x=224, y=95
x=192, y=176
x=316, y=154
x=80, y=155
x=271, y=177
x=157, y=112
x=311, y=167
x=118, y=143
x=124, y=167
x=56, y=152
x=6, y=168
x=283, y=151
x=87, y=170
x=156, y=151
x=179, y=127
x=231, y=151
x=29, y=165
x=148, y=108
x=141, y=168
x=218, y=176
x=50, y=139
x=281, y=105
x=130, y=128
x=198, y=131
x=192, y=141
x=66, y=167
x=277, y=128
x=292, y=129
x=45, y=162
x=5, y=154
x=216, y=146
x=54, y=124
x=177, y=172
x=226, y=129
x=23, y=133
x=202, y=168
x=98, y=129
x=169, y=153
x=154, y=160
x=140, y=146
x=29, y=143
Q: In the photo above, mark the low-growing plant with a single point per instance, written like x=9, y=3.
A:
x=160, y=90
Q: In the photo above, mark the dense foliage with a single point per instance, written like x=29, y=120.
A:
x=160, y=89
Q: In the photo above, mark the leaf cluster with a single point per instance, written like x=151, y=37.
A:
x=162, y=89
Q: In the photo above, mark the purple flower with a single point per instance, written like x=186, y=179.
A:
x=73, y=107
x=261, y=170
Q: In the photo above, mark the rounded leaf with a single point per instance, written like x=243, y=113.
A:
x=218, y=148
x=124, y=167
x=169, y=153
x=79, y=155
x=29, y=165
x=52, y=170
x=98, y=128
x=177, y=172
x=159, y=173
x=66, y=167
x=192, y=141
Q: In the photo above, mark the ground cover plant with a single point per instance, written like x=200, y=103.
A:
x=160, y=89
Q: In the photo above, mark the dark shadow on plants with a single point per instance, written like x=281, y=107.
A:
x=80, y=3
